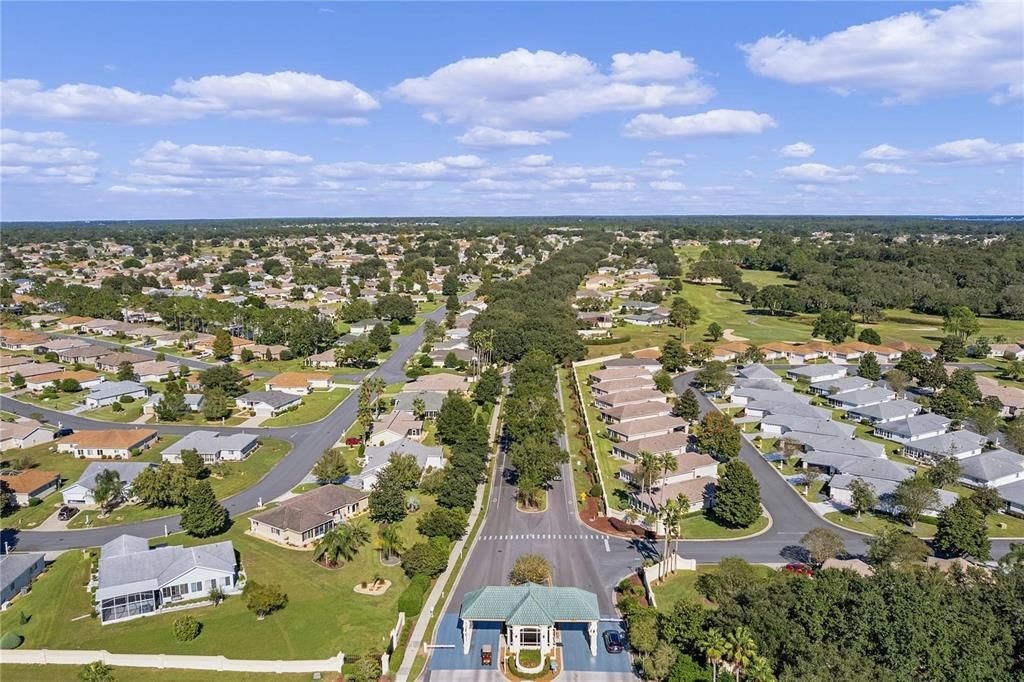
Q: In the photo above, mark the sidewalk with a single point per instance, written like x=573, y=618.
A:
x=419, y=631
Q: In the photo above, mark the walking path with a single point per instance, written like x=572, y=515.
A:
x=460, y=550
x=163, y=661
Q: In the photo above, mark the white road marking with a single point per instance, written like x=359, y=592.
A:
x=606, y=547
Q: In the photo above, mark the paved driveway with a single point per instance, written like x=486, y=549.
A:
x=576, y=651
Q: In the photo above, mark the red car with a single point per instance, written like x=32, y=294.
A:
x=799, y=569
x=352, y=442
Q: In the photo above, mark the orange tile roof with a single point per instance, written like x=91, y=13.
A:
x=109, y=438
x=295, y=379
x=30, y=480
x=22, y=336
x=80, y=375
x=76, y=319
x=647, y=353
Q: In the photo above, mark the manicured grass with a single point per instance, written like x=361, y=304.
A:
x=53, y=673
x=323, y=615
x=581, y=479
x=683, y=585
x=45, y=457
x=702, y=527
x=131, y=412
x=57, y=401
x=315, y=406
x=616, y=489
x=226, y=479
x=872, y=523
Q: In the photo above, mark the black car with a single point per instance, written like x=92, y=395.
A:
x=60, y=433
x=612, y=642
x=66, y=513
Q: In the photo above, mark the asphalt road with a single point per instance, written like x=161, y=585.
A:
x=308, y=443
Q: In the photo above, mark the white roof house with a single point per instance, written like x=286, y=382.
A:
x=135, y=580
x=377, y=457
x=80, y=492
x=213, y=446
x=993, y=468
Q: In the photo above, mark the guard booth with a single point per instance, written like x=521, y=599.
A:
x=529, y=615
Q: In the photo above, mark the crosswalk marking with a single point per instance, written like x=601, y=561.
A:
x=543, y=536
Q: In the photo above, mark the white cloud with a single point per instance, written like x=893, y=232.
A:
x=974, y=151
x=817, y=173
x=714, y=122
x=166, y=191
x=354, y=121
x=541, y=87
x=535, y=160
x=196, y=159
x=668, y=186
x=885, y=152
x=973, y=47
x=287, y=95
x=659, y=160
x=654, y=65
x=45, y=157
x=485, y=137
x=463, y=161
x=612, y=186
x=888, y=169
x=797, y=150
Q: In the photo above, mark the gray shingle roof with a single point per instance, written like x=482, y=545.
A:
x=991, y=465
x=891, y=409
x=275, y=399
x=126, y=470
x=133, y=567
x=814, y=371
x=955, y=442
x=921, y=423
x=311, y=509
x=210, y=443
x=113, y=389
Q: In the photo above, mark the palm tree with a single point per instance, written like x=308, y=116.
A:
x=671, y=516
x=341, y=543
x=740, y=650
x=376, y=387
x=668, y=464
x=648, y=462
x=760, y=671
x=419, y=408
x=389, y=541
x=713, y=645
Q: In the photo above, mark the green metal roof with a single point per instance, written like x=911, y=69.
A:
x=530, y=604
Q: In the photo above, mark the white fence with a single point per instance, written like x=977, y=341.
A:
x=161, y=661
x=667, y=566
x=396, y=634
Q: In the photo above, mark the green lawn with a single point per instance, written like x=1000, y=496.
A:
x=616, y=488
x=682, y=585
x=872, y=523
x=323, y=615
x=58, y=401
x=315, y=406
x=131, y=412
x=46, y=458
x=226, y=479
x=701, y=527
x=581, y=479
x=55, y=673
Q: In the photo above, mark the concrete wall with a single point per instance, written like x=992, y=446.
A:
x=162, y=661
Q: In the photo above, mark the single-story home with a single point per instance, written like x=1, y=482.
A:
x=395, y=426
x=298, y=383
x=852, y=400
x=20, y=339
x=442, y=382
x=646, y=428
x=620, y=385
x=9, y=364
x=29, y=484
x=959, y=444
x=1013, y=495
x=917, y=427
x=322, y=360
x=17, y=571
x=638, y=363
x=1000, y=350
x=841, y=385
x=432, y=402
x=84, y=377
x=267, y=403
x=689, y=465
x=700, y=492
x=757, y=371
x=193, y=402
x=377, y=457
x=674, y=443
x=271, y=352
x=816, y=373
x=135, y=581
x=73, y=322
x=30, y=370
x=110, y=392
x=884, y=489
x=23, y=434
x=80, y=492
x=107, y=443
x=618, y=373
x=155, y=370
x=213, y=446
x=304, y=519
x=111, y=362
x=85, y=355
x=883, y=413
x=780, y=425
x=628, y=413
x=642, y=395
x=364, y=326
x=993, y=468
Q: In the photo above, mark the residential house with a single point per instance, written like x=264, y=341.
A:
x=298, y=383
x=302, y=520
x=267, y=403
x=110, y=392
x=107, y=443
x=111, y=362
x=84, y=377
x=959, y=444
x=73, y=323
x=628, y=413
x=20, y=339
x=24, y=486
x=816, y=373
x=674, y=442
x=84, y=355
x=395, y=426
x=757, y=371
x=364, y=326
x=620, y=385
x=323, y=360
x=689, y=466
x=852, y=400
x=432, y=402
x=842, y=385
x=135, y=581
x=438, y=383
x=17, y=571
x=645, y=428
x=377, y=457
x=155, y=371
x=993, y=468
x=81, y=491
x=271, y=352
x=213, y=446
x=917, y=427
x=29, y=370
x=629, y=397
x=23, y=434
x=640, y=364
x=1010, y=397
x=1013, y=495
x=620, y=373
x=699, y=492
x=883, y=413
x=655, y=319
x=1001, y=350
x=193, y=402
x=9, y=364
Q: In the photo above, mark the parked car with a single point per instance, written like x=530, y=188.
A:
x=352, y=442
x=60, y=433
x=612, y=642
x=66, y=513
x=799, y=568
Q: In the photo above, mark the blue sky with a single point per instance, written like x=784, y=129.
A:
x=171, y=110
